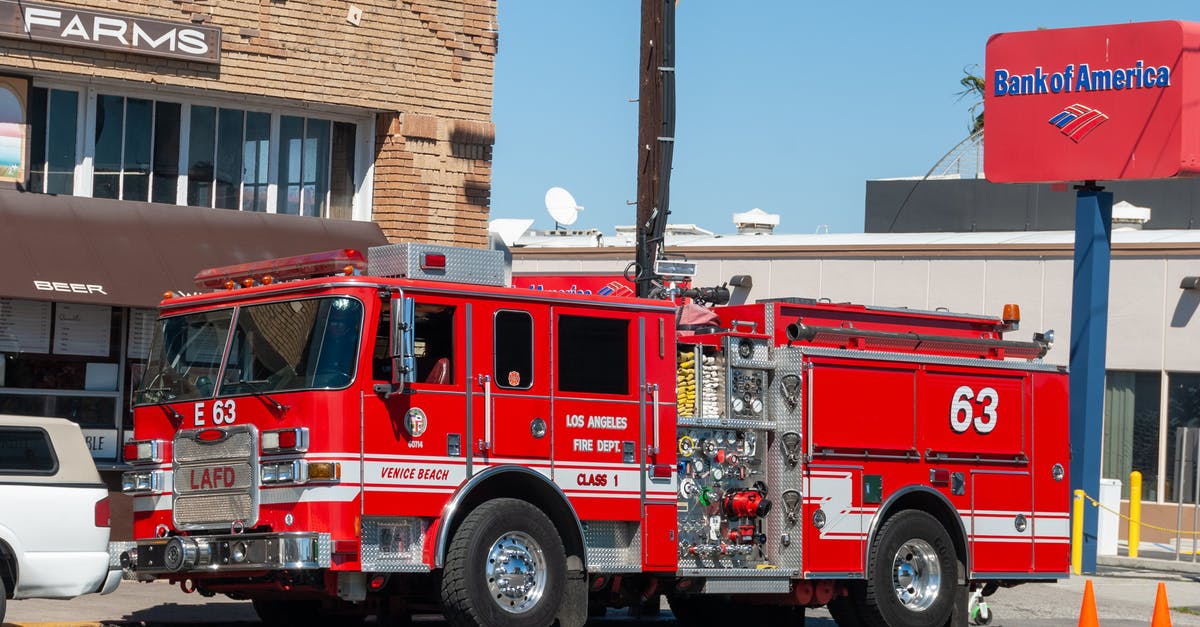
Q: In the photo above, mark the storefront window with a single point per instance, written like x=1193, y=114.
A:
x=202, y=148
x=1183, y=410
x=257, y=152
x=165, y=180
x=63, y=360
x=1131, y=429
x=137, y=144
x=53, y=114
x=303, y=166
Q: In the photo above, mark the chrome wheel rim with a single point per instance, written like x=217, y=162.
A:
x=516, y=572
x=916, y=574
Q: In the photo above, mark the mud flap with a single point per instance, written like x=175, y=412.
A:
x=960, y=616
x=573, y=611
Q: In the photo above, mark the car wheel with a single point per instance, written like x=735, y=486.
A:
x=911, y=582
x=3, y=599
x=506, y=567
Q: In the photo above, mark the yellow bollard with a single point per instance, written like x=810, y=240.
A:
x=1135, y=511
x=1077, y=534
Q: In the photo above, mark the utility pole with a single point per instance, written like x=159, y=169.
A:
x=656, y=129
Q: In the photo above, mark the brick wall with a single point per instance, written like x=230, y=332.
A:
x=430, y=62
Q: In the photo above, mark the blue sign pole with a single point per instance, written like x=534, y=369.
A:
x=1089, y=326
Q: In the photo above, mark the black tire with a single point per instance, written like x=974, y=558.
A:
x=472, y=595
x=913, y=573
x=3, y=598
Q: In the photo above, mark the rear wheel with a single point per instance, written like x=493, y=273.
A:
x=913, y=569
x=506, y=567
x=3, y=598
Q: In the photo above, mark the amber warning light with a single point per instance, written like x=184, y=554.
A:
x=328, y=263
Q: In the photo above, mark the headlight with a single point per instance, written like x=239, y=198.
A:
x=141, y=481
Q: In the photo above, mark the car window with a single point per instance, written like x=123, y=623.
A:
x=25, y=450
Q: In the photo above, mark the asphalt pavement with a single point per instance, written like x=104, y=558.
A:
x=1125, y=592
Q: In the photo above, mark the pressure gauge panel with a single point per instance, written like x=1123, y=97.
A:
x=747, y=394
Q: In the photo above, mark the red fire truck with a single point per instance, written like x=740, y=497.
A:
x=340, y=435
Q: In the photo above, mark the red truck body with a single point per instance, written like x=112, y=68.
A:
x=511, y=456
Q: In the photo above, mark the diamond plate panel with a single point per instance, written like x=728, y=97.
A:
x=463, y=265
x=775, y=585
x=613, y=546
x=787, y=407
x=394, y=544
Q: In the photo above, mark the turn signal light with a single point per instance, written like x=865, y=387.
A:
x=324, y=471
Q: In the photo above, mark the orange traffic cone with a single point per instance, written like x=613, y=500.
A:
x=1162, y=611
x=1087, y=614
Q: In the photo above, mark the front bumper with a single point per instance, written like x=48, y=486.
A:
x=226, y=553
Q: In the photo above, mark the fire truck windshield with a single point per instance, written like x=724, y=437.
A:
x=308, y=343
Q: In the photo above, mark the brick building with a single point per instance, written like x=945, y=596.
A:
x=142, y=140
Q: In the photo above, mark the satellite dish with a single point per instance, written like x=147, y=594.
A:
x=561, y=206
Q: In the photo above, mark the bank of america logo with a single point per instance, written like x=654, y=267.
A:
x=1077, y=121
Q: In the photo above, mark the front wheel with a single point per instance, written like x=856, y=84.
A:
x=911, y=581
x=3, y=599
x=506, y=567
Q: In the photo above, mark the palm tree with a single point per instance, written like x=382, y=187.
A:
x=973, y=87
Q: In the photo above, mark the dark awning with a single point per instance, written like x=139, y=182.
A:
x=110, y=252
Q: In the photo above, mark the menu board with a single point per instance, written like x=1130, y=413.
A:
x=82, y=329
x=24, y=326
x=141, y=332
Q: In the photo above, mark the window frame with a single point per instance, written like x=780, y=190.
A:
x=54, y=463
x=565, y=342
x=503, y=383
x=361, y=196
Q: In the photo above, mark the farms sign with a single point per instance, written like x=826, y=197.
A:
x=109, y=31
x=1093, y=103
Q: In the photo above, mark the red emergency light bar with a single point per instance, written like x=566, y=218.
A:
x=330, y=262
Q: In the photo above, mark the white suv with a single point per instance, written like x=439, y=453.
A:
x=54, y=518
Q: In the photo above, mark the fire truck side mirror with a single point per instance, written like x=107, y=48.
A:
x=401, y=341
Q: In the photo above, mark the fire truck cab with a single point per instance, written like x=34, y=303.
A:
x=336, y=435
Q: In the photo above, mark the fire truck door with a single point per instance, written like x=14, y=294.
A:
x=603, y=413
x=413, y=442
x=512, y=385
x=1000, y=525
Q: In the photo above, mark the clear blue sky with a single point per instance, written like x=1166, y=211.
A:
x=789, y=106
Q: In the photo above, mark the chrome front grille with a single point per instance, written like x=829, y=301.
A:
x=216, y=477
x=240, y=442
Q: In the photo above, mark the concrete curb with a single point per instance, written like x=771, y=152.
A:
x=1149, y=563
x=57, y=624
